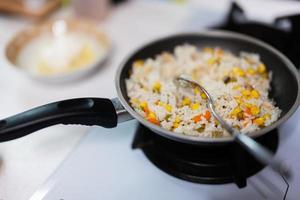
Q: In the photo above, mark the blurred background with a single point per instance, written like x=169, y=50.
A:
x=56, y=49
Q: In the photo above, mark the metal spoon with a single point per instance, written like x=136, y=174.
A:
x=262, y=154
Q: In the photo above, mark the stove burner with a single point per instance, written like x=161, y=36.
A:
x=283, y=34
x=201, y=164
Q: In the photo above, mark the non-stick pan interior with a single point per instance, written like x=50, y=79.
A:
x=284, y=82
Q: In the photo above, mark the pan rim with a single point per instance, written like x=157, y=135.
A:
x=216, y=34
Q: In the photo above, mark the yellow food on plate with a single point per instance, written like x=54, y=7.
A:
x=58, y=55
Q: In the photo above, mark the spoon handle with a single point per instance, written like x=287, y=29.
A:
x=262, y=154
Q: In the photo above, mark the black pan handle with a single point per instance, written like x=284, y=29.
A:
x=84, y=111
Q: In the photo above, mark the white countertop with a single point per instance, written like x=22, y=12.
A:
x=104, y=166
x=27, y=162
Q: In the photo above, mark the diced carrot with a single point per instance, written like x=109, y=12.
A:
x=152, y=118
x=197, y=118
x=146, y=110
x=153, y=121
x=207, y=115
x=248, y=111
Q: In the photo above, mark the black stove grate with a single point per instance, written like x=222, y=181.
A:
x=201, y=164
x=283, y=34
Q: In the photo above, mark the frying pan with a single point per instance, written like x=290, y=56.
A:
x=108, y=113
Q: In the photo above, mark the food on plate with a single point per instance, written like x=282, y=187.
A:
x=50, y=54
x=239, y=85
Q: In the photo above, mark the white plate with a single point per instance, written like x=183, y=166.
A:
x=21, y=49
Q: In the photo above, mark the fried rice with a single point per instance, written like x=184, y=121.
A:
x=239, y=85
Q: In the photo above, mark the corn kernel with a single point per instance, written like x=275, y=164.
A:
x=156, y=87
x=255, y=94
x=175, y=125
x=151, y=115
x=144, y=106
x=246, y=93
x=160, y=103
x=236, y=87
x=211, y=61
x=247, y=105
x=236, y=111
x=186, y=101
x=261, y=68
x=238, y=71
x=250, y=71
x=203, y=95
x=177, y=119
x=195, y=106
x=259, y=121
x=168, y=107
x=196, y=91
x=138, y=63
x=267, y=116
x=254, y=110
x=208, y=50
x=238, y=100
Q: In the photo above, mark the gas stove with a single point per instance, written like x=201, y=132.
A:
x=103, y=166
x=201, y=164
